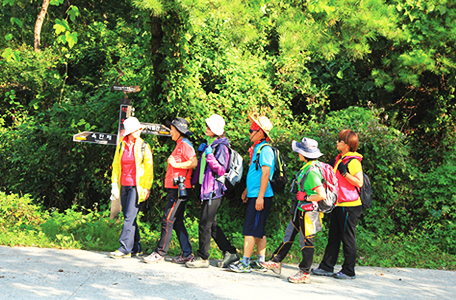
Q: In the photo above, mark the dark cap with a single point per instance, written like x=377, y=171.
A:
x=181, y=125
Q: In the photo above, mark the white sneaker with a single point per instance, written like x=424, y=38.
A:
x=154, y=257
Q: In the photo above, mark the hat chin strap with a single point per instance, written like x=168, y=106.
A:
x=180, y=135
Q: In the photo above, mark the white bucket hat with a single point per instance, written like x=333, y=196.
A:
x=308, y=148
x=216, y=124
x=131, y=125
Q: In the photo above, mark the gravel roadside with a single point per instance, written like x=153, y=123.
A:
x=39, y=273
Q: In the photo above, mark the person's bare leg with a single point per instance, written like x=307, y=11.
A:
x=249, y=245
x=261, y=245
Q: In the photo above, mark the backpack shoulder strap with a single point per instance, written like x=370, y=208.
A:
x=357, y=188
x=257, y=160
x=350, y=159
x=120, y=146
x=303, y=179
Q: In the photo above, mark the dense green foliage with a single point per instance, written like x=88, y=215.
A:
x=385, y=69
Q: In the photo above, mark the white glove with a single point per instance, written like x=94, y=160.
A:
x=114, y=192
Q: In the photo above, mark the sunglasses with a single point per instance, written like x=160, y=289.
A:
x=251, y=130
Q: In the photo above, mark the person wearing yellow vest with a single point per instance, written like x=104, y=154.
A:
x=132, y=176
x=345, y=215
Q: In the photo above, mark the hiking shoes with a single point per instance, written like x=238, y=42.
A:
x=198, y=262
x=137, y=254
x=275, y=267
x=257, y=266
x=340, y=275
x=154, y=257
x=240, y=267
x=300, y=277
x=321, y=272
x=183, y=259
x=228, y=259
x=119, y=254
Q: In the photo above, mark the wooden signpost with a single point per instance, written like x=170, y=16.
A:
x=113, y=139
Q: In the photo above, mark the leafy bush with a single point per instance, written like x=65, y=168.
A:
x=88, y=229
x=20, y=212
x=437, y=193
x=415, y=249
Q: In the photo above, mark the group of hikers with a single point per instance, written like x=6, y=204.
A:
x=132, y=177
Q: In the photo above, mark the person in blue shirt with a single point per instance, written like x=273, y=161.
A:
x=258, y=196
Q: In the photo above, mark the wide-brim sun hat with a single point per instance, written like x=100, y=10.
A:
x=131, y=125
x=181, y=125
x=264, y=124
x=216, y=124
x=307, y=147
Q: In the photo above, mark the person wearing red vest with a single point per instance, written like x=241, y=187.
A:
x=180, y=165
x=345, y=215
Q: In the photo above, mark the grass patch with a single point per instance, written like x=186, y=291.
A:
x=26, y=224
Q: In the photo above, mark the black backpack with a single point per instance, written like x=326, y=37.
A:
x=279, y=177
x=365, y=192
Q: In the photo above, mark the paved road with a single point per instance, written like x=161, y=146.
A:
x=36, y=273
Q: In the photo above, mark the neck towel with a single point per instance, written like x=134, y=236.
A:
x=203, y=160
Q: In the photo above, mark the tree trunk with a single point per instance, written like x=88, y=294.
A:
x=39, y=24
x=157, y=58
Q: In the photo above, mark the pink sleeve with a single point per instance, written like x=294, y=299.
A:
x=215, y=165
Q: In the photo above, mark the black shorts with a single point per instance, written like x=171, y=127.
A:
x=255, y=221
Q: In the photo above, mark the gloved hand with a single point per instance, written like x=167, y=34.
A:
x=301, y=196
x=307, y=206
x=208, y=150
x=115, y=191
x=342, y=169
x=144, y=194
x=201, y=147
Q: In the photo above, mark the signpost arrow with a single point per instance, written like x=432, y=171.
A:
x=156, y=129
x=125, y=88
x=96, y=138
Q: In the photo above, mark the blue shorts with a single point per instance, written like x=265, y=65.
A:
x=255, y=221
